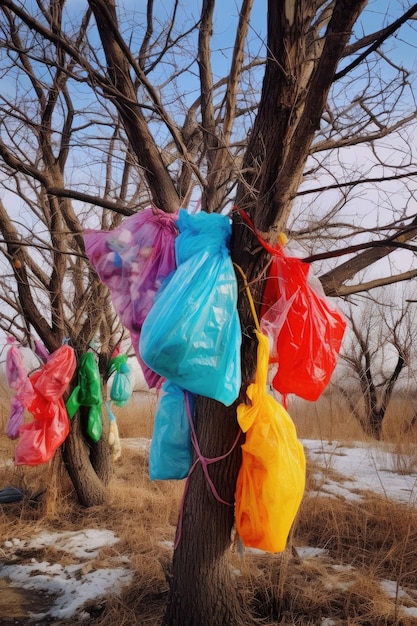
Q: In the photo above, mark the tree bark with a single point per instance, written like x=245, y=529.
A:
x=88, y=465
x=202, y=589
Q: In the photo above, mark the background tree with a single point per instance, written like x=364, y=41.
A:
x=102, y=115
x=378, y=350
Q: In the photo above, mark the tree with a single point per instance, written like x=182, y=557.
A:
x=121, y=99
x=377, y=352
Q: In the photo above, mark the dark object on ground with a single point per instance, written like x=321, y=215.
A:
x=11, y=494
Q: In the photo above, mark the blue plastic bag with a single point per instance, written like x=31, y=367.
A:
x=170, y=453
x=122, y=385
x=192, y=334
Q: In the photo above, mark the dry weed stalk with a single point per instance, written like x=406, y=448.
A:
x=361, y=544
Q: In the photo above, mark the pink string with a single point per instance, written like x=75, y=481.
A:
x=204, y=464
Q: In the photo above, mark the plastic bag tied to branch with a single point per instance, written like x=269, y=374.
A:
x=88, y=394
x=122, y=385
x=305, y=329
x=18, y=379
x=133, y=260
x=50, y=425
x=192, y=335
x=271, y=479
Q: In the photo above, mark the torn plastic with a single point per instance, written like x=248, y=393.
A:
x=271, y=480
x=192, y=336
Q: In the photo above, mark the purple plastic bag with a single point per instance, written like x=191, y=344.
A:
x=17, y=412
x=133, y=260
x=18, y=380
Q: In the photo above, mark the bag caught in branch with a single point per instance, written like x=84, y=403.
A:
x=88, y=394
x=122, y=385
x=305, y=329
x=133, y=260
x=192, y=335
x=18, y=379
x=50, y=426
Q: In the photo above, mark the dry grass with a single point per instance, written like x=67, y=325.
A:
x=361, y=544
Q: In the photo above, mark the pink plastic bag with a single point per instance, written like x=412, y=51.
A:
x=133, y=260
x=18, y=380
x=50, y=426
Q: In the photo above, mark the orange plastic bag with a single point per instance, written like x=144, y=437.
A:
x=305, y=329
x=271, y=480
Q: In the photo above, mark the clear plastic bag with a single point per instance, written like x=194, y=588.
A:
x=271, y=480
x=192, y=334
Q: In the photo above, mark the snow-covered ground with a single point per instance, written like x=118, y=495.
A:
x=363, y=468
x=71, y=585
x=359, y=469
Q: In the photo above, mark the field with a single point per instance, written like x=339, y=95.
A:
x=351, y=559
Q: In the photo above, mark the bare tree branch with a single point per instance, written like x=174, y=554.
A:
x=379, y=39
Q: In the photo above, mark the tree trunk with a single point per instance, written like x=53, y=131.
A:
x=202, y=588
x=376, y=418
x=88, y=464
x=203, y=592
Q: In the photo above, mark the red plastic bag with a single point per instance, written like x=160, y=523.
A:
x=304, y=328
x=50, y=426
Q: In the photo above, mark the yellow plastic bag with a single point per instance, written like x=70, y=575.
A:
x=271, y=480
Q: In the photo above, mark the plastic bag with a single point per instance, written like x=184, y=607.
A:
x=88, y=393
x=40, y=351
x=50, y=427
x=114, y=438
x=305, y=329
x=132, y=260
x=122, y=385
x=271, y=480
x=192, y=335
x=170, y=453
x=16, y=417
x=18, y=380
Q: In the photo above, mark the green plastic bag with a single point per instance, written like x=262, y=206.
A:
x=88, y=393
